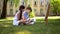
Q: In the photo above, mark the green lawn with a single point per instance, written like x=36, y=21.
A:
x=39, y=27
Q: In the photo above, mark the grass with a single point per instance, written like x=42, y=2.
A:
x=39, y=27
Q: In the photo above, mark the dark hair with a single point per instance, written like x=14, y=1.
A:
x=21, y=7
x=29, y=8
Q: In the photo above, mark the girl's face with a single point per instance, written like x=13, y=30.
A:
x=28, y=11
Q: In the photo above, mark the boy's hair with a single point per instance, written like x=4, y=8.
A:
x=21, y=7
x=29, y=8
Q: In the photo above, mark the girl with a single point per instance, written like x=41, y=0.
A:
x=18, y=17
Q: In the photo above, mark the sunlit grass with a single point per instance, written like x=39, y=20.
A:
x=10, y=18
x=6, y=26
x=54, y=17
x=23, y=32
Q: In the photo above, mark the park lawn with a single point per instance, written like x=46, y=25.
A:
x=39, y=27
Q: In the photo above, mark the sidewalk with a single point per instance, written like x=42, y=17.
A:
x=50, y=17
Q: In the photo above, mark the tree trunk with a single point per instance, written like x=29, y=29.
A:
x=47, y=14
x=4, y=10
x=56, y=14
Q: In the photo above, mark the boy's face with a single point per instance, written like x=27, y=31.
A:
x=28, y=11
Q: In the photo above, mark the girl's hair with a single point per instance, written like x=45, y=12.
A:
x=29, y=8
x=21, y=7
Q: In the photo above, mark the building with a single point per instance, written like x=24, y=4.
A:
x=39, y=6
x=1, y=5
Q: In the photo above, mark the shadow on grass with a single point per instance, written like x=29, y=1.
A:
x=39, y=27
x=54, y=26
x=55, y=22
x=6, y=27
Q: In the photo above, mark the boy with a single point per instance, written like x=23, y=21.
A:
x=25, y=15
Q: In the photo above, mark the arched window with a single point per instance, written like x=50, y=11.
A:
x=11, y=11
x=35, y=10
x=41, y=11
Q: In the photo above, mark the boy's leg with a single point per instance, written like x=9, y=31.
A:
x=33, y=20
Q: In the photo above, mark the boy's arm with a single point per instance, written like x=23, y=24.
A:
x=23, y=17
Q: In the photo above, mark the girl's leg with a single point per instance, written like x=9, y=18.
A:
x=15, y=22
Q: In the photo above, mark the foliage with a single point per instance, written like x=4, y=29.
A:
x=55, y=6
x=17, y=3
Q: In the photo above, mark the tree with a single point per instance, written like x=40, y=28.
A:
x=55, y=6
x=47, y=14
x=4, y=10
x=16, y=3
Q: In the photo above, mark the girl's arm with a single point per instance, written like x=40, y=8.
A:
x=18, y=15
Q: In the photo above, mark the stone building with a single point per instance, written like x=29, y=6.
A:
x=1, y=5
x=39, y=6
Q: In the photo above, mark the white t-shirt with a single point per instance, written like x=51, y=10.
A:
x=15, y=21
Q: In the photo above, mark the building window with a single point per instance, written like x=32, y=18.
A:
x=35, y=10
x=11, y=2
x=22, y=2
x=41, y=11
x=41, y=2
x=47, y=2
x=35, y=2
x=11, y=11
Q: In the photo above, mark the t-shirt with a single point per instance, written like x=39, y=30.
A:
x=25, y=14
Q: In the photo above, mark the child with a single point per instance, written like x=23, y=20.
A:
x=26, y=15
x=18, y=17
